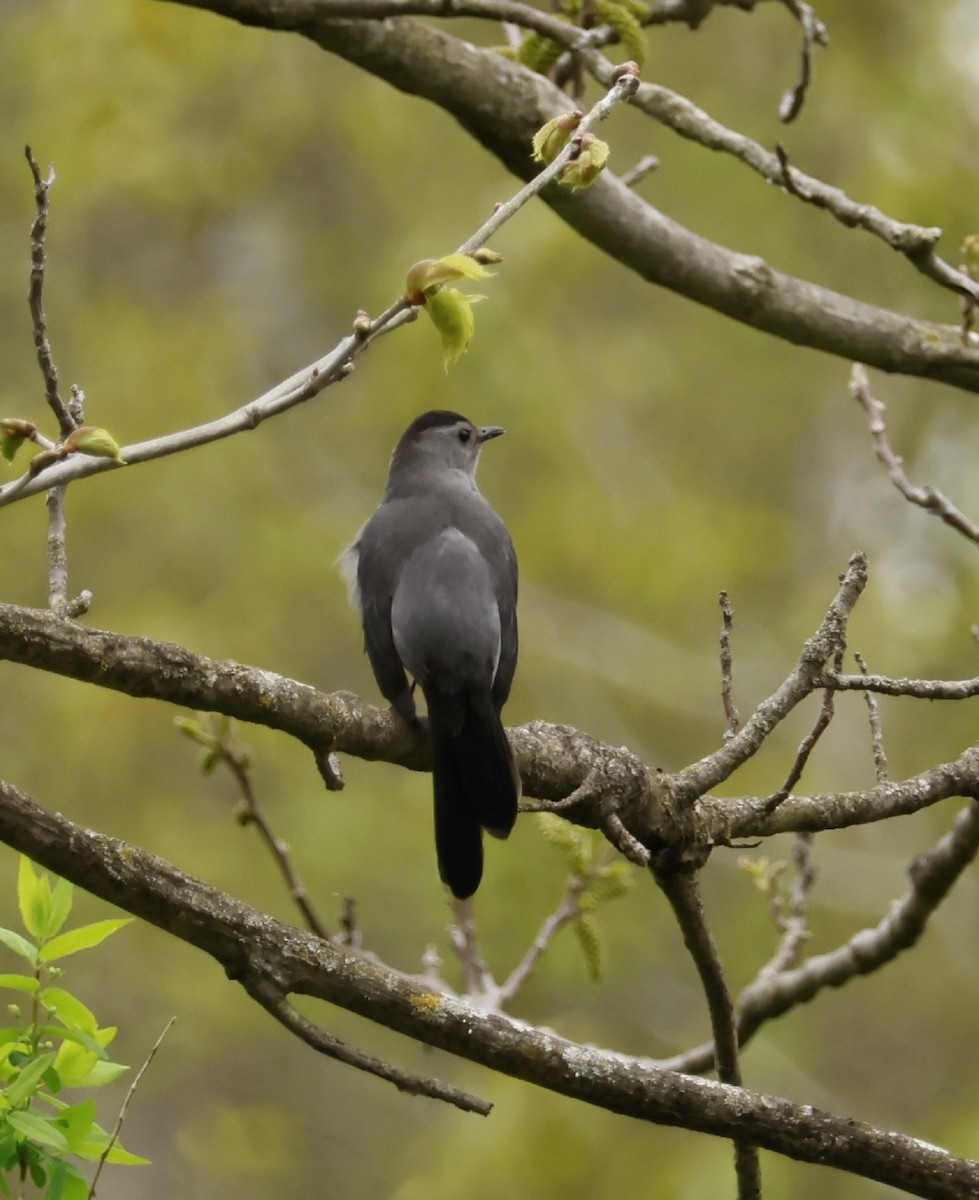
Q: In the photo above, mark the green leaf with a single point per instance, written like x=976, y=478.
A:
x=94, y=1148
x=103, y=1073
x=19, y=945
x=74, y=1063
x=29, y=1080
x=589, y=164
x=76, y=1123
x=614, y=881
x=33, y=898
x=539, y=53
x=70, y=1183
x=20, y=983
x=39, y=1129
x=69, y=1009
x=625, y=20
x=552, y=137
x=90, y=439
x=451, y=313
x=62, y=895
x=434, y=272
x=13, y=433
x=589, y=939
x=87, y=1041
x=82, y=938
x=574, y=844
x=970, y=250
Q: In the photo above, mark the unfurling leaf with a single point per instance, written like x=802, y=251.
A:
x=90, y=439
x=432, y=273
x=539, y=52
x=551, y=138
x=589, y=939
x=589, y=164
x=970, y=251
x=625, y=18
x=574, y=844
x=13, y=433
x=452, y=316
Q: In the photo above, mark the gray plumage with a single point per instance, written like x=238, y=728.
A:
x=434, y=576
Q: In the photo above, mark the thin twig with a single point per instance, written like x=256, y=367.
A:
x=727, y=665
x=238, y=761
x=55, y=499
x=927, y=498
x=933, y=874
x=274, y=1003
x=35, y=295
x=813, y=34
x=125, y=1106
x=477, y=979
x=876, y=732
x=695, y=781
x=645, y=166
x=567, y=911
x=915, y=689
x=680, y=886
x=808, y=743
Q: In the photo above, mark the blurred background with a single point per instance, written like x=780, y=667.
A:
x=226, y=199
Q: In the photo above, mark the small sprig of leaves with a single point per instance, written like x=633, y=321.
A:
x=589, y=156
x=595, y=878
x=541, y=53
x=59, y=1044
x=86, y=439
x=449, y=308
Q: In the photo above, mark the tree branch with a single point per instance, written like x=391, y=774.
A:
x=251, y=946
x=933, y=874
x=661, y=813
x=501, y=103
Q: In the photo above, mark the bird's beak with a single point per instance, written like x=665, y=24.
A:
x=490, y=431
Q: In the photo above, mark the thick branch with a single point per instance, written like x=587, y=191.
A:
x=251, y=946
x=502, y=103
x=663, y=813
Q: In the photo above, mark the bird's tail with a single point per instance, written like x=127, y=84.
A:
x=476, y=784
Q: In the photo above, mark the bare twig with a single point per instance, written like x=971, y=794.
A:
x=125, y=1106
x=45, y=359
x=821, y=648
x=917, y=689
x=276, y=1005
x=808, y=743
x=727, y=665
x=567, y=911
x=813, y=34
x=933, y=874
x=876, y=733
x=792, y=917
x=477, y=979
x=645, y=166
x=67, y=419
x=217, y=735
x=927, y=498
x=682, y=891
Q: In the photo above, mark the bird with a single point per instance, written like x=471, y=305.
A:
x=433, y=574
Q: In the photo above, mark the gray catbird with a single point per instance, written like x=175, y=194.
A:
x=434, y=576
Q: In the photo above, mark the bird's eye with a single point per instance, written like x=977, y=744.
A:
x=465, y=435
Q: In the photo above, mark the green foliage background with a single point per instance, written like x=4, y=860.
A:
x=226, y=200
